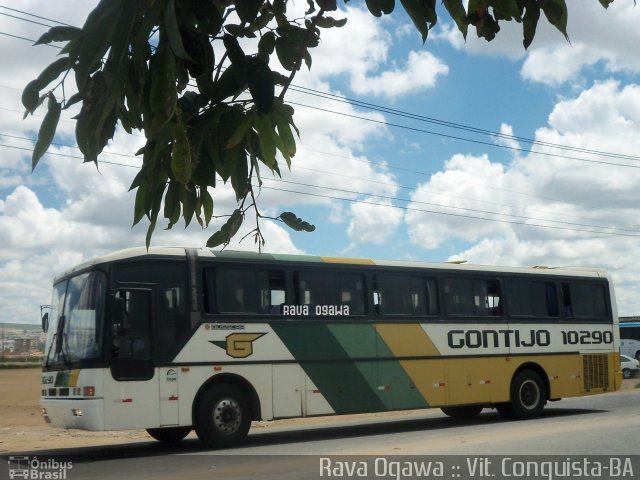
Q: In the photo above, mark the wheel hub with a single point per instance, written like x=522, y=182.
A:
x=227, y=416
x=529, y=394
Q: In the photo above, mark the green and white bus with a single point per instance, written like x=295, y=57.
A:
x=175, y=339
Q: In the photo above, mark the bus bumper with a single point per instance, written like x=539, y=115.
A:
x=85, y=414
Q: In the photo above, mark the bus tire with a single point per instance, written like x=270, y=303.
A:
x=464, y=412
x=528, y=394
x=169, y=434
x=223, y=416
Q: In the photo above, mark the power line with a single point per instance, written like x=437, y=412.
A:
x=25, y=19
x=613, y=231
x=406, y=208
x=430, y=204
x=404, y=187
x=458, y=126
x=35, y=16
x=28, y=39
x=454, y=137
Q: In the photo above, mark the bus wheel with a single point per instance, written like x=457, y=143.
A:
x=169, y=434
x=528, y=394
x=466, y=411
x=222, y=416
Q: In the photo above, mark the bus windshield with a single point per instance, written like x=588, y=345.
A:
x=76, y=320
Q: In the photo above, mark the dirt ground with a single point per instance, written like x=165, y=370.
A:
x=22, y=427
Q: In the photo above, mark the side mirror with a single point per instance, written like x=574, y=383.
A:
x=45, y=322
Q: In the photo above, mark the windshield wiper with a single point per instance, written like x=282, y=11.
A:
x=53, y=340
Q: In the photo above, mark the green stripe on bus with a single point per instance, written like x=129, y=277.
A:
x=385, y=375
x=346, y=384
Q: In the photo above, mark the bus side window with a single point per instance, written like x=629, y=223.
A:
x=583, y=300
x=131, y=329
x=272, y=292
x=401, y=295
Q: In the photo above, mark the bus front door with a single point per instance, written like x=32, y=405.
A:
x=131, y=391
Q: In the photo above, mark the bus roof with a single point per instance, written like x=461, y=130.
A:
x=135, y=252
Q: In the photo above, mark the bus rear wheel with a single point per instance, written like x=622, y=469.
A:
x=223, y=416
x=528, y=395
x=465, y=411
x=169, y=434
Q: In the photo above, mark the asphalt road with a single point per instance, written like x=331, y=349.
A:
x=600, y=425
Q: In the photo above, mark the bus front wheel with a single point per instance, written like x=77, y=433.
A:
x=465, y=411
x=528, y=395
x=223, y=416
x=169, y=434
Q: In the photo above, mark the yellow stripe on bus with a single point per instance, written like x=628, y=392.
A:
x=351, y=261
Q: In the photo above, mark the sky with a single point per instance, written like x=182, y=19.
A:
x=451, y=150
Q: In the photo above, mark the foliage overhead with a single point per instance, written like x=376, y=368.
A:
x=210, y=108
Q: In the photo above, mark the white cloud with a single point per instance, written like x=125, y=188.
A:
x=570, y=196
x=360, y=50
x=421, y=72
x=373, y=224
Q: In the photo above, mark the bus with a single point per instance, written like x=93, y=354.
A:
x=630, y=339
x=178, y=339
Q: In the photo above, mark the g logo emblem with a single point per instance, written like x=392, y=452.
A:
x=239, y=345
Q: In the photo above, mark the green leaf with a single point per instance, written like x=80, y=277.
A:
x=163, y=95
x=31, y=93
x=228, y=230
x=422, y=14
x=296, y=223
x=172, y=204
x=140, y=209
x=188, y=199
x=181, y=165
x=47, y=131
x=240, y=176
x=31, y=96
x=242, y=129
x=173, y=31
x=328, y=5
x=330, y=22
x=261, y=84
x=378, y=7
x=235, y=52
x=267, y=43
x=97, y=36
x=207, y=205
x=530, y=23
x=556, y=13
x=506, y=8
x=266, y=133
x=62, y=33
x=248, y=10
x=459, y=15
x=606, y=3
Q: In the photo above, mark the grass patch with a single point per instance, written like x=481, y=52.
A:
x=637, y=385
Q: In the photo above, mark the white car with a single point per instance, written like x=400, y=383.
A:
x=630, y=366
